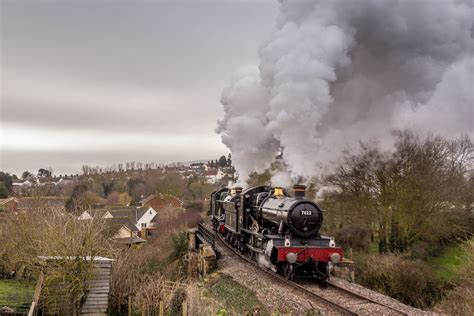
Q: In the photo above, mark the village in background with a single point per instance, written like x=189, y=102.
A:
x=124, y=207
x=130, y=197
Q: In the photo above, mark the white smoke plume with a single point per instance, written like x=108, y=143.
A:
x=336, y=72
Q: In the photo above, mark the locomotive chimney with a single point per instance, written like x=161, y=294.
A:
x=300, y=190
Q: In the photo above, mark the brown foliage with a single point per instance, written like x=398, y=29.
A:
x=148, y=273
x=355, y=237
x=460, y=300
x=410, y=281
x=25, y=236
x=113, y=197
x=420, y=192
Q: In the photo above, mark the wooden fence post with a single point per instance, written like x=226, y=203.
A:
x=161, y=308
x=185, y=309
x=129, y=305
x=36, y=296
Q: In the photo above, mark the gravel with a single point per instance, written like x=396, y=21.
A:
x=275, y=296
x=282, y=298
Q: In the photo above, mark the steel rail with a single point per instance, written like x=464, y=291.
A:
x=280, y=278
x=345, y=290
x=340, y=308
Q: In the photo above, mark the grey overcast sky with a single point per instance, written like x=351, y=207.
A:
x=101, y=82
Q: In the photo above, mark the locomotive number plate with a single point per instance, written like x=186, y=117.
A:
x=306, y=213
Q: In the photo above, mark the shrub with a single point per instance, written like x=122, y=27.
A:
x=194, y=205
x=410, y=281
x=460, y=300
x=180, y=246
x=145, y=273
x=25, y=236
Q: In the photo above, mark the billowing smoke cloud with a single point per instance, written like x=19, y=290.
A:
x=335, y=72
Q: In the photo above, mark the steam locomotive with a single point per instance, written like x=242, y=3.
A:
x=279, y=231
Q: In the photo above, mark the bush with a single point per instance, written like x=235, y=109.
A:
x=145, y=273
x=410, y=281
x=180, y=246
x=194, y=205
x=460, y=300
x=25, y=236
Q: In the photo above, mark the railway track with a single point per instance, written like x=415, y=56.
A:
x=337, y=298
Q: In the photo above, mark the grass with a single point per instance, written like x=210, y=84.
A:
x=233, y=295
x=16, y=294
x=447, y=264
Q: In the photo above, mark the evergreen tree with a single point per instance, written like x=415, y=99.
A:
x=3, y=191
x=222, y=161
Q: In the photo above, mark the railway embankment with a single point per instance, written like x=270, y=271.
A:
x=306, y=297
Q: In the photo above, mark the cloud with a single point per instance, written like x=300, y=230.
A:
x=336, y=72
x=119, y=77
x=56, y=104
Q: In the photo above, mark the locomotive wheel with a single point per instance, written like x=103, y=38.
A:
x=289, y=271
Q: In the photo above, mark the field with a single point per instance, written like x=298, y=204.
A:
x=16, y=294
x=447, y=265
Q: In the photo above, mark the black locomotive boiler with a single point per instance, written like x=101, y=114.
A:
x=279, y=231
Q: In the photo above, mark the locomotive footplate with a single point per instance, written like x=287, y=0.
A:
x=304, y=254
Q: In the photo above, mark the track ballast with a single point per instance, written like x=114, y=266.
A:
x=338, y=299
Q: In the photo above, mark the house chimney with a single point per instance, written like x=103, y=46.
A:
x=299, y=190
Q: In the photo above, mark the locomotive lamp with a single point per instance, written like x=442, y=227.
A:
x=335, y=258
x=291, y=257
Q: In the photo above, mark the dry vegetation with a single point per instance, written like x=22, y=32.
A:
x=460, y=299
x=155, y=271
x=27, y=237
x=142, y=275
x=403, y=208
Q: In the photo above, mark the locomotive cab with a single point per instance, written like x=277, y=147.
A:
x=216, y=209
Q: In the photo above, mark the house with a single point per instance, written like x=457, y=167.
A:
x=9, y=204
x=159, y=202
x=214, y=175
x=197, y=165
x=123, y=230
x=64, y=182
x=145, y=217
x=41, y=202
x=151, y=230
x=141, y=217
x=95, y=213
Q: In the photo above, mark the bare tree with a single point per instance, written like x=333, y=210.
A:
x=413, y=194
